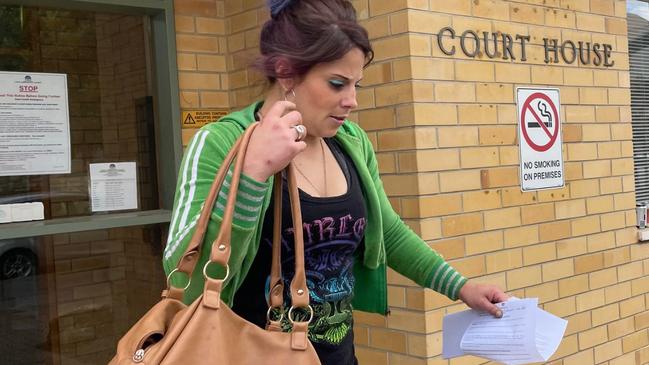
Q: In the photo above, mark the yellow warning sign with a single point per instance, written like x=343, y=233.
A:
x=198, y=118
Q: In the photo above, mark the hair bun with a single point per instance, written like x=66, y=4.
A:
x=276, y=6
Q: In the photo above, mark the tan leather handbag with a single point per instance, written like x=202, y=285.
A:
x=207, y=331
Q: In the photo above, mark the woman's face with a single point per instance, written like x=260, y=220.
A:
x=327, y=93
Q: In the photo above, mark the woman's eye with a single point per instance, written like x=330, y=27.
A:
x=336, y=84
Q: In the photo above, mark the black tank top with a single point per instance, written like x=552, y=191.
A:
x=333, y=231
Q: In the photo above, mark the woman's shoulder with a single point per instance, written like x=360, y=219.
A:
x=231, y=126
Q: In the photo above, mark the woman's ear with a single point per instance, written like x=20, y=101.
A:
x=284, y=74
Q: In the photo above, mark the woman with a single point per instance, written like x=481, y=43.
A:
x=313, y=53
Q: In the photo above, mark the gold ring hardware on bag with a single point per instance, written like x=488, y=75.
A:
x=227, y=271
x=189, y=280
x=290, y=314
x=270, y=310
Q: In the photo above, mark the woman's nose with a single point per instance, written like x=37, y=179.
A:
x=349, y=100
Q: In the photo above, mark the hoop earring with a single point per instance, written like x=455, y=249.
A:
x=292, y=91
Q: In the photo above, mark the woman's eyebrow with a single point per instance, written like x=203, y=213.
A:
x=345, y=77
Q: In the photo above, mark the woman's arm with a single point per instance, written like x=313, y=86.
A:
x=410, y=256
x=203, y=157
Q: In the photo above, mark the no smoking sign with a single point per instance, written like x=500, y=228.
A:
x=539, y=132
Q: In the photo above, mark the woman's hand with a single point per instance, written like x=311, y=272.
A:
x=273, y=144
x=482, y=297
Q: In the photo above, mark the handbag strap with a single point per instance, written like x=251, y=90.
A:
x=221, y=247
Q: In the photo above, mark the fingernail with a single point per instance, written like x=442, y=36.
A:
x=499, y=314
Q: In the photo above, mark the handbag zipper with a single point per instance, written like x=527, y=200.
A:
x=138, y=356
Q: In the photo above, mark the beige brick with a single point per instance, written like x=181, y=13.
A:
x=613, y=220
x=635, y=341
x=537, y=213
x=599, y=204
x=602, y=278
x=494, y=93
x=593, y=96
x=455, y=92
x=474, y=71
x=397, y=139
x=608, y=351
x=620, y=328
x=601, y=241
x=554, y=194
x=592, y=23
x=589, y=263
x=570, y=208
x=622, y=166
x=641, y=320
x=427, y=114
x=558, y=269
x=210, y=26
x=578, y=77
x=558, y=18
x=554, y=230
x=477, y=114
x=470, y=267
x=630, y=271
x=388, y=340
x=462, y=224
x=515, y=196
x=526, y=276
x=392, y=94
x=605, y=314
x=479, y=157
x=578, y=323
x=211, y=63
x=611, y=185
x=539, y=253
x=632, y=306
x=521, y=236
x=572, y=247
x=545, y=292
x=484, y=242
x=370, y=356
x=502, y=218
x=480, y=200
x=186, y=62
x=513, y=73
x=617, y=292
x=429, y=160
x=504, y=260
x=195, y=43
x=459, y=180
x=562, y=307
x=450, y=248
x=623, y=201
x=431, y=206
x=585, y=225
x=498, y=177
x=582, y=151
x=580, y=358
x=572, y=285
x=526, y=14
x=501, y=135
x=457, y=136
x=589, y=300
x=592, y=337
x=547, y=75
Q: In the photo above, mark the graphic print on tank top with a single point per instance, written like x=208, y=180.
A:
x=329, y=246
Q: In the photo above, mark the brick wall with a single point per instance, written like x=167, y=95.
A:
x=444, y=128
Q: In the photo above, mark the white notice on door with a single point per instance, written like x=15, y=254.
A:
x=113, y=186
x=34, y=124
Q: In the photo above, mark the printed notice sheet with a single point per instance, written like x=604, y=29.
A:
x=113, y=186
x=525, y=334
x=34, y=124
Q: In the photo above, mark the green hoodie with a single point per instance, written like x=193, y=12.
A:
x=387, y=238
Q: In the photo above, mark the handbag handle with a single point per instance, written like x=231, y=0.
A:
x=221, y=247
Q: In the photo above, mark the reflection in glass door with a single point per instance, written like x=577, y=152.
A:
x=67, y=298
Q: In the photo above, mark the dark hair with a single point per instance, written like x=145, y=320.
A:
x=307, y=32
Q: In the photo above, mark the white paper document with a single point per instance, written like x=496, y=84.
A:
x=525, y=333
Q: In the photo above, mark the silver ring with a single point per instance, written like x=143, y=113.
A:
x=301, y=132
x=227, y=271
x=290, y=314
x=173, y=272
